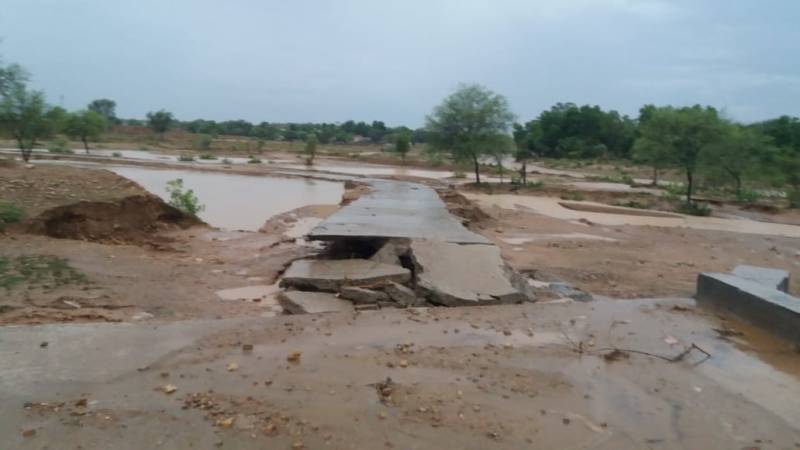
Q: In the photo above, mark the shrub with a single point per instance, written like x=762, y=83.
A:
x=59, y=146
x=748, y=196
x=675, y=191
x=186, y=158
x=794, y=198
x=694, y=209
x=207, y=156
x=117, y=155
x=253, y=160
x=202, y=142
x=226, y=161
x=535, y=184
x=634, y=204
x=10, y=213
x=185, y=200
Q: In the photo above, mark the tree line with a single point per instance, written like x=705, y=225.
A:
x=475, y=123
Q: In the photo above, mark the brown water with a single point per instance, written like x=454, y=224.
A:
x=238, y=202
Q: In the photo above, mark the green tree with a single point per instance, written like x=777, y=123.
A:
x=85, y=125
x=311, y=148
x=23, y=112
x=106, y=108
x=469, y=124
x=739, y=154
x=679, y=136
x=402, y=145
x=522, y=149
x=787, y=165
x=160, y=121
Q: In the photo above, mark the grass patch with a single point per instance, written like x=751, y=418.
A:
x=207, y=156
x=41, y=270
x=10, y=213
x=621, y=177
x=694, y=209
x=185, y=158
x=117, y=154
x=634, y=204
x=254, y=160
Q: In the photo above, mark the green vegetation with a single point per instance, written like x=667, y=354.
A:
x=185, y=157
x=471, y=123
x=311, y=149
x=207, y=156
x=226, y=161
x=10, y=213
x=59, y=146
x=41, y=270
x=106, y=108
x=185, y=200
x=85, y=126
x=202, y=142
x=402, y=145
x=160, y=121
x=23, y=112
x=254, y=160
x=117, y=154
x=694, y=209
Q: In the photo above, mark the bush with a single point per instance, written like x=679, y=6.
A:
x=794, y=198
x=185, y=200
x=59, y=146
x=634, y=204
x=748, y=196
x=117, y=155
x=202, y=142
x=186, y=158
x=675, y=191
x=253, y=160
x=226, y=161
x=207, y=156
x=10, y=213
x=694, y=209
x=535, y=184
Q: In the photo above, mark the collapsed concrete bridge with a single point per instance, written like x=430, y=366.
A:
x=398, y=245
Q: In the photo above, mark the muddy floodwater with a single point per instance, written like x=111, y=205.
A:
x=238, y=202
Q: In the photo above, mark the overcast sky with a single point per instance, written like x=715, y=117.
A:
x=304, y=60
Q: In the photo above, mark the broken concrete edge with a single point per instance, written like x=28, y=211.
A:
x=303, y=302
x=776, y=278
x=331, y=275
x=751, y=301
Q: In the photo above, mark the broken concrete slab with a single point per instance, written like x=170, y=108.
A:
x=301, y=302
x=332, y=274
x=567, y=290
x=752, y=301
x=391, y=251
x=775, y=278
x=401, y=294
x=453, y=274
x=363, y=295
x=396, y=210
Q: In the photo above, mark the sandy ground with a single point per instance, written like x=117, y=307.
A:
x=191, y=370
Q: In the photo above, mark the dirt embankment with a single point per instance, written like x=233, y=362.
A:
x=94, y=205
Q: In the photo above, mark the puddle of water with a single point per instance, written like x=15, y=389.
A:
x=551, y=207
x=238, y=202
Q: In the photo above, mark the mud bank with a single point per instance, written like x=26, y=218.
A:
x=134, y=219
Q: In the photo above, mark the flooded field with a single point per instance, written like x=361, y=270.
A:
x=238, y=202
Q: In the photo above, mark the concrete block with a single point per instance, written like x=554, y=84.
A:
x=754, y=302
x=331, y=275
x=300, y=302
x=362, y=295
x=775, y=278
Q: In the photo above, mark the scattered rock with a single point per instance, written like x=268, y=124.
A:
x=401, y=294
x=169, y=388
x=294, y=357
x=232, y=367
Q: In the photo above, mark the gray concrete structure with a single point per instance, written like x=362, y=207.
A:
x=300, y=302
x=396, y=210
x=332, y=274
x=760, y=304
x=362, y=295
x=776, y=278
x=453, y=274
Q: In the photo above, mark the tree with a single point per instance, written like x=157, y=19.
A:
x=85, y=125
x=311, y=148
x=402, y=145
x=469, y=124
x=679, y=136
x=106, y=108
x=23, y=112
x=185, y=200
x=739, y=153
x=522, y=147
x=160, y=121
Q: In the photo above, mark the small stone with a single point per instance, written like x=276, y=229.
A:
x=298, y=444
x=169, y=388
x=44, y=344
x=403, y=363
x=225, y=423
x=29, y=433
x=232, y=367
x=294, y=357
x=247, y=347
